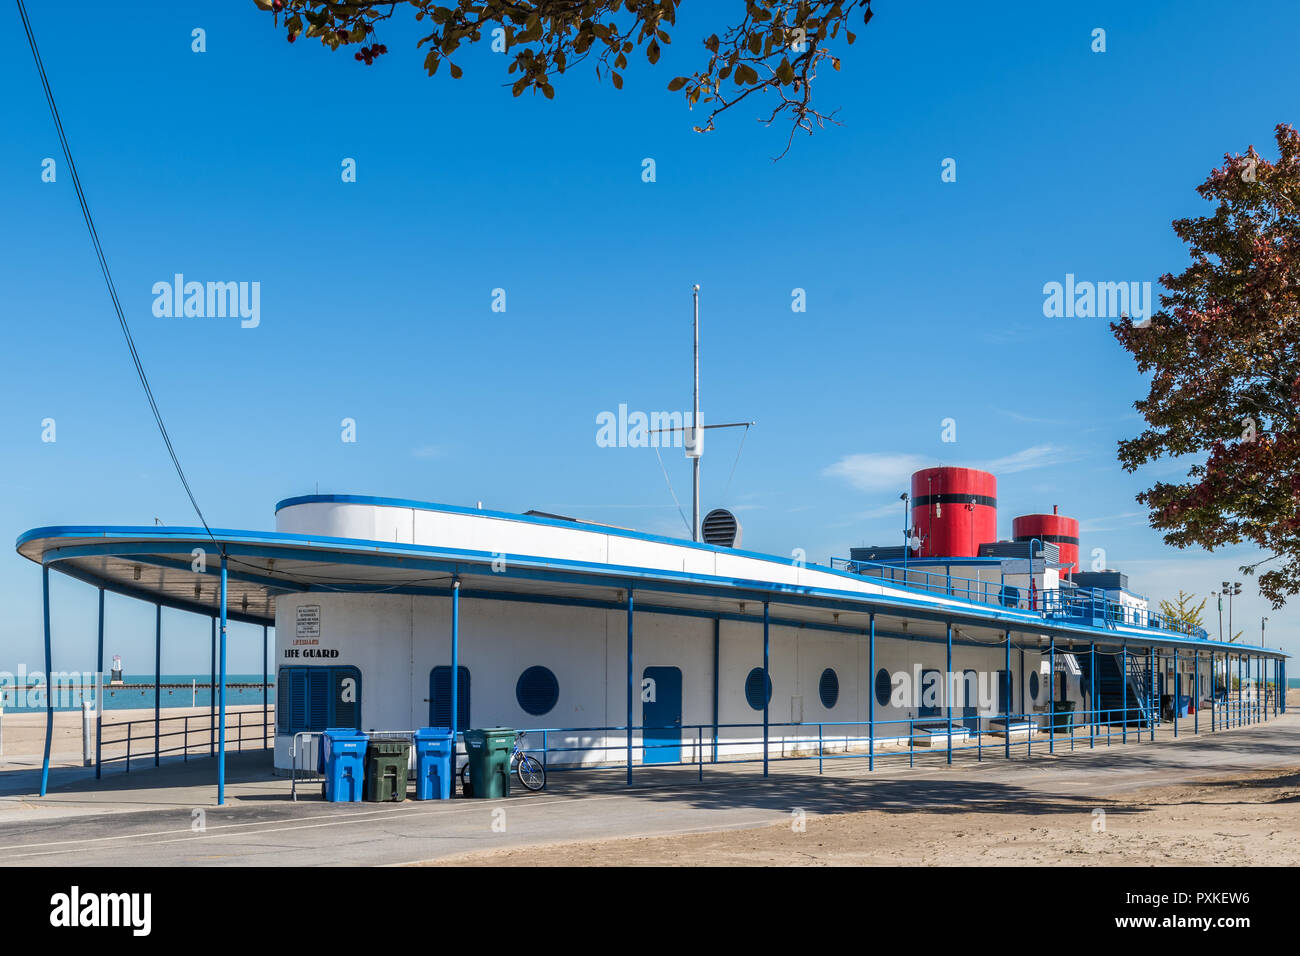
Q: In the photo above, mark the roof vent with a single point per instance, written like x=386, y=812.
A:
x=720, y=527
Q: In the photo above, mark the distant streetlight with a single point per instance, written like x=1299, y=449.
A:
x=1231, y=588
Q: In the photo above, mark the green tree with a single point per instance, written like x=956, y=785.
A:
x=1182, y=610
x=772, y=47
x=1223, y=354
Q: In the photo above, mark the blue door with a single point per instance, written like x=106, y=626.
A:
x=930, y=703
x=970, y=704
x=661, y=715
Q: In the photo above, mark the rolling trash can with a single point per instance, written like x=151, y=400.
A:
x=489, y=750
x=387, y=760
x=433, y=763
x=342, y=761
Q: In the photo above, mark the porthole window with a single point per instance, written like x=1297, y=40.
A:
x=829, y=688
x=883, y=687
x=754, y=687
x=1033, y=685
x=537, y=690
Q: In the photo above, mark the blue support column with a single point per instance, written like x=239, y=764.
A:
x=871, y=692
x=49, y=666
x=948, y=689
x=221, y=698
x=157, y=678
x=99, y=693
x=1196, y=692
x=629, y=686
x=212, y=695
x=1260, y=690
x=1092, y=696
x=767, y=683
x=717, y=658
x=1241, y=694
x=1178, y=692
x=1278, y=691
x=1051, y=695
x=455, y=677
x=266, y=696
x=1006, y=740
x=1123, y=677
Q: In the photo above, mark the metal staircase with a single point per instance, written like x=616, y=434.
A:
x=1111, y=696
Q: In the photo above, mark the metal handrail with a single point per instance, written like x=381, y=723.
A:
x=152, y=739
x=1099, y=726
x=1069, y=602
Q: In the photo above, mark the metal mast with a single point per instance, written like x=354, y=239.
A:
x=693, y=436
x=695, y=448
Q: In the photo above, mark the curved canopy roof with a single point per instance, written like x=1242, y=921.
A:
x=180, y=568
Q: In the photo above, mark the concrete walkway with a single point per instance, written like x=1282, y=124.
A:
x=167, y=816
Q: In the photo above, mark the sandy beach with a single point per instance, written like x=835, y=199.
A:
x=23, y=735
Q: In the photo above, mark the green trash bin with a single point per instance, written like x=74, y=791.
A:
x=1063, y=715
x=488, y=751
x=387, y=760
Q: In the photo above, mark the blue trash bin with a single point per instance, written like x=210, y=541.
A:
x=433, y=763
x=343, y=752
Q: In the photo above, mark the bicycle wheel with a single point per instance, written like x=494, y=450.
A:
x=531, y=773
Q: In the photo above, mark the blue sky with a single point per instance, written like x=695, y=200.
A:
x=924, y=298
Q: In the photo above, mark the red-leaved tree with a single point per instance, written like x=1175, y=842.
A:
x=1224, y=358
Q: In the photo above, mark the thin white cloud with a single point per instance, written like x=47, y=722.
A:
x=1126, y=519
x=1029, y=419
x=889, y=471
x=876, y=471
x=1036, y=456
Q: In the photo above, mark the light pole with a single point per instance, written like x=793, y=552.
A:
x=1231, y=588
x=1218, y=596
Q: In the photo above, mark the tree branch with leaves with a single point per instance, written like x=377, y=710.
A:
x=772, y=52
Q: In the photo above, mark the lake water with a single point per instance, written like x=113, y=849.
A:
x=137, y=691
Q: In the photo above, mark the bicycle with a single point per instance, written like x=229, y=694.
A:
x=526, y=767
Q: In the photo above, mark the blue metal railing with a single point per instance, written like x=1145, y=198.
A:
x=1052, y=728
x=1089, y=605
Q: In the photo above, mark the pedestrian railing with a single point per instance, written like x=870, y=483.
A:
x=1090, y=606
x=190, y=735
x=304, y=765
x=1048, y=729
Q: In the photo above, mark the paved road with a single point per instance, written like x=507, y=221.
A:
x=165, y=817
